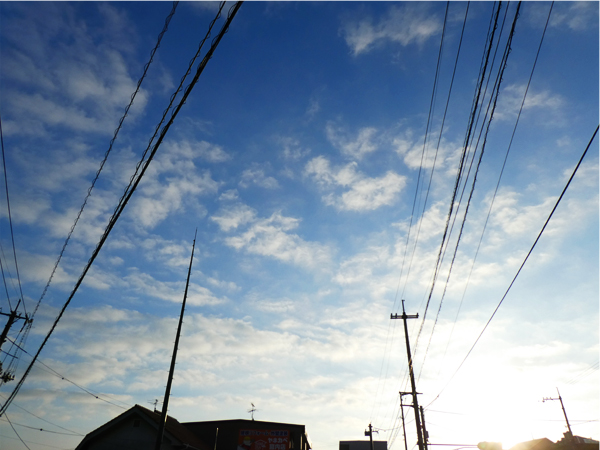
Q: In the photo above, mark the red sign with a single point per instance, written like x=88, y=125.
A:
x=264, y=440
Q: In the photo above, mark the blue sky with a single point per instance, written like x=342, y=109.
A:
x=298, y=157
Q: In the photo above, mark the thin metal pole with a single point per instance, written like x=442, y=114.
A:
x=163, y=417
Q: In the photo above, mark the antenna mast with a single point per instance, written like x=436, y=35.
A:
x=163, y=417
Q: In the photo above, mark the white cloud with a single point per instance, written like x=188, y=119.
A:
x=410, y=149
x=361, y=193
x=356, y=148
x=511, y=98
x=198, y=149
x=229, y=195
x=59, y=74
x=171, y=291
x=256, y=175
x=313, y=108
x=292, y=150
x=232, y=217
x=171, y=181
x=371, y=193
x=578, y=16
x=270, y=237
x=406, y=24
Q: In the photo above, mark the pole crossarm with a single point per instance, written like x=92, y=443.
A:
x=415, y=405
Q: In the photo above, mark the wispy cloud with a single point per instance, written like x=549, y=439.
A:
x=232, y=217
x=171, y=291
x=360, y=193
x=62, y=77
x=172, y=180
x=544, y=102
x=271, y=237
x=198, y=149
x=407, y=24
x=356, y=147
x=577, y=16
x=256, y=175
x=292, y=149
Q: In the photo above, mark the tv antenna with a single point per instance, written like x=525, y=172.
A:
x=154, y=402
x=251, y=410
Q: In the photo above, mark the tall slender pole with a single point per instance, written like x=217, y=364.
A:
x=425, y=433
x=403, y=425
x=565, y=413
x=163, y=417
x=371, y=435
x=570, y=434
x=405, y=316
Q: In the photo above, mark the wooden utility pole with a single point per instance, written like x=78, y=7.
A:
x=163, y=417
x=5, y=376
x=564, y=412
x=425, y=433
x=405, y=316
x=402, y=394
x=370, y=433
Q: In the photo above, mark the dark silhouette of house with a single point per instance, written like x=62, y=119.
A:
x=363, y=445
x=251, y=435
x=568, y=442
x=137, y=428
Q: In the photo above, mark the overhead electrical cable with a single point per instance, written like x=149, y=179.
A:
x=28, y=322
x=62, y=377
x=429, y=119
x=11, y=425
x=12, y=235
x=423, y=152
x=110, y=146
x=499, y=177
x=46, y=431
x=522, y=264
x=584, y=374
x=131, y=189
x=494, y=100
x=459, y=171
x=42, y=419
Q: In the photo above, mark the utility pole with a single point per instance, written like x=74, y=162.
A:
x=564, y=412
x=402, y=394
x=405, y=316
x=425, y=433
x=163, y=416
x=370, y=433
x=12, y=318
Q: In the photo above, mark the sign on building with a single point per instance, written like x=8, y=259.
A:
x=264, y=440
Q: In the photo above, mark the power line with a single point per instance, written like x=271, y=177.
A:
x=110, y=146
x=41, y=429
x=523, y=263
x=459, y=174
x=493, y=100
x=62, y=377
x=429, y=118
x=131, y=189
x=500, y=176
x=41, y=418
x=587, y=372
x=11, y=425
x=12, y=235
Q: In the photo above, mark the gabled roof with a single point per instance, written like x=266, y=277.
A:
x=174, y=431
